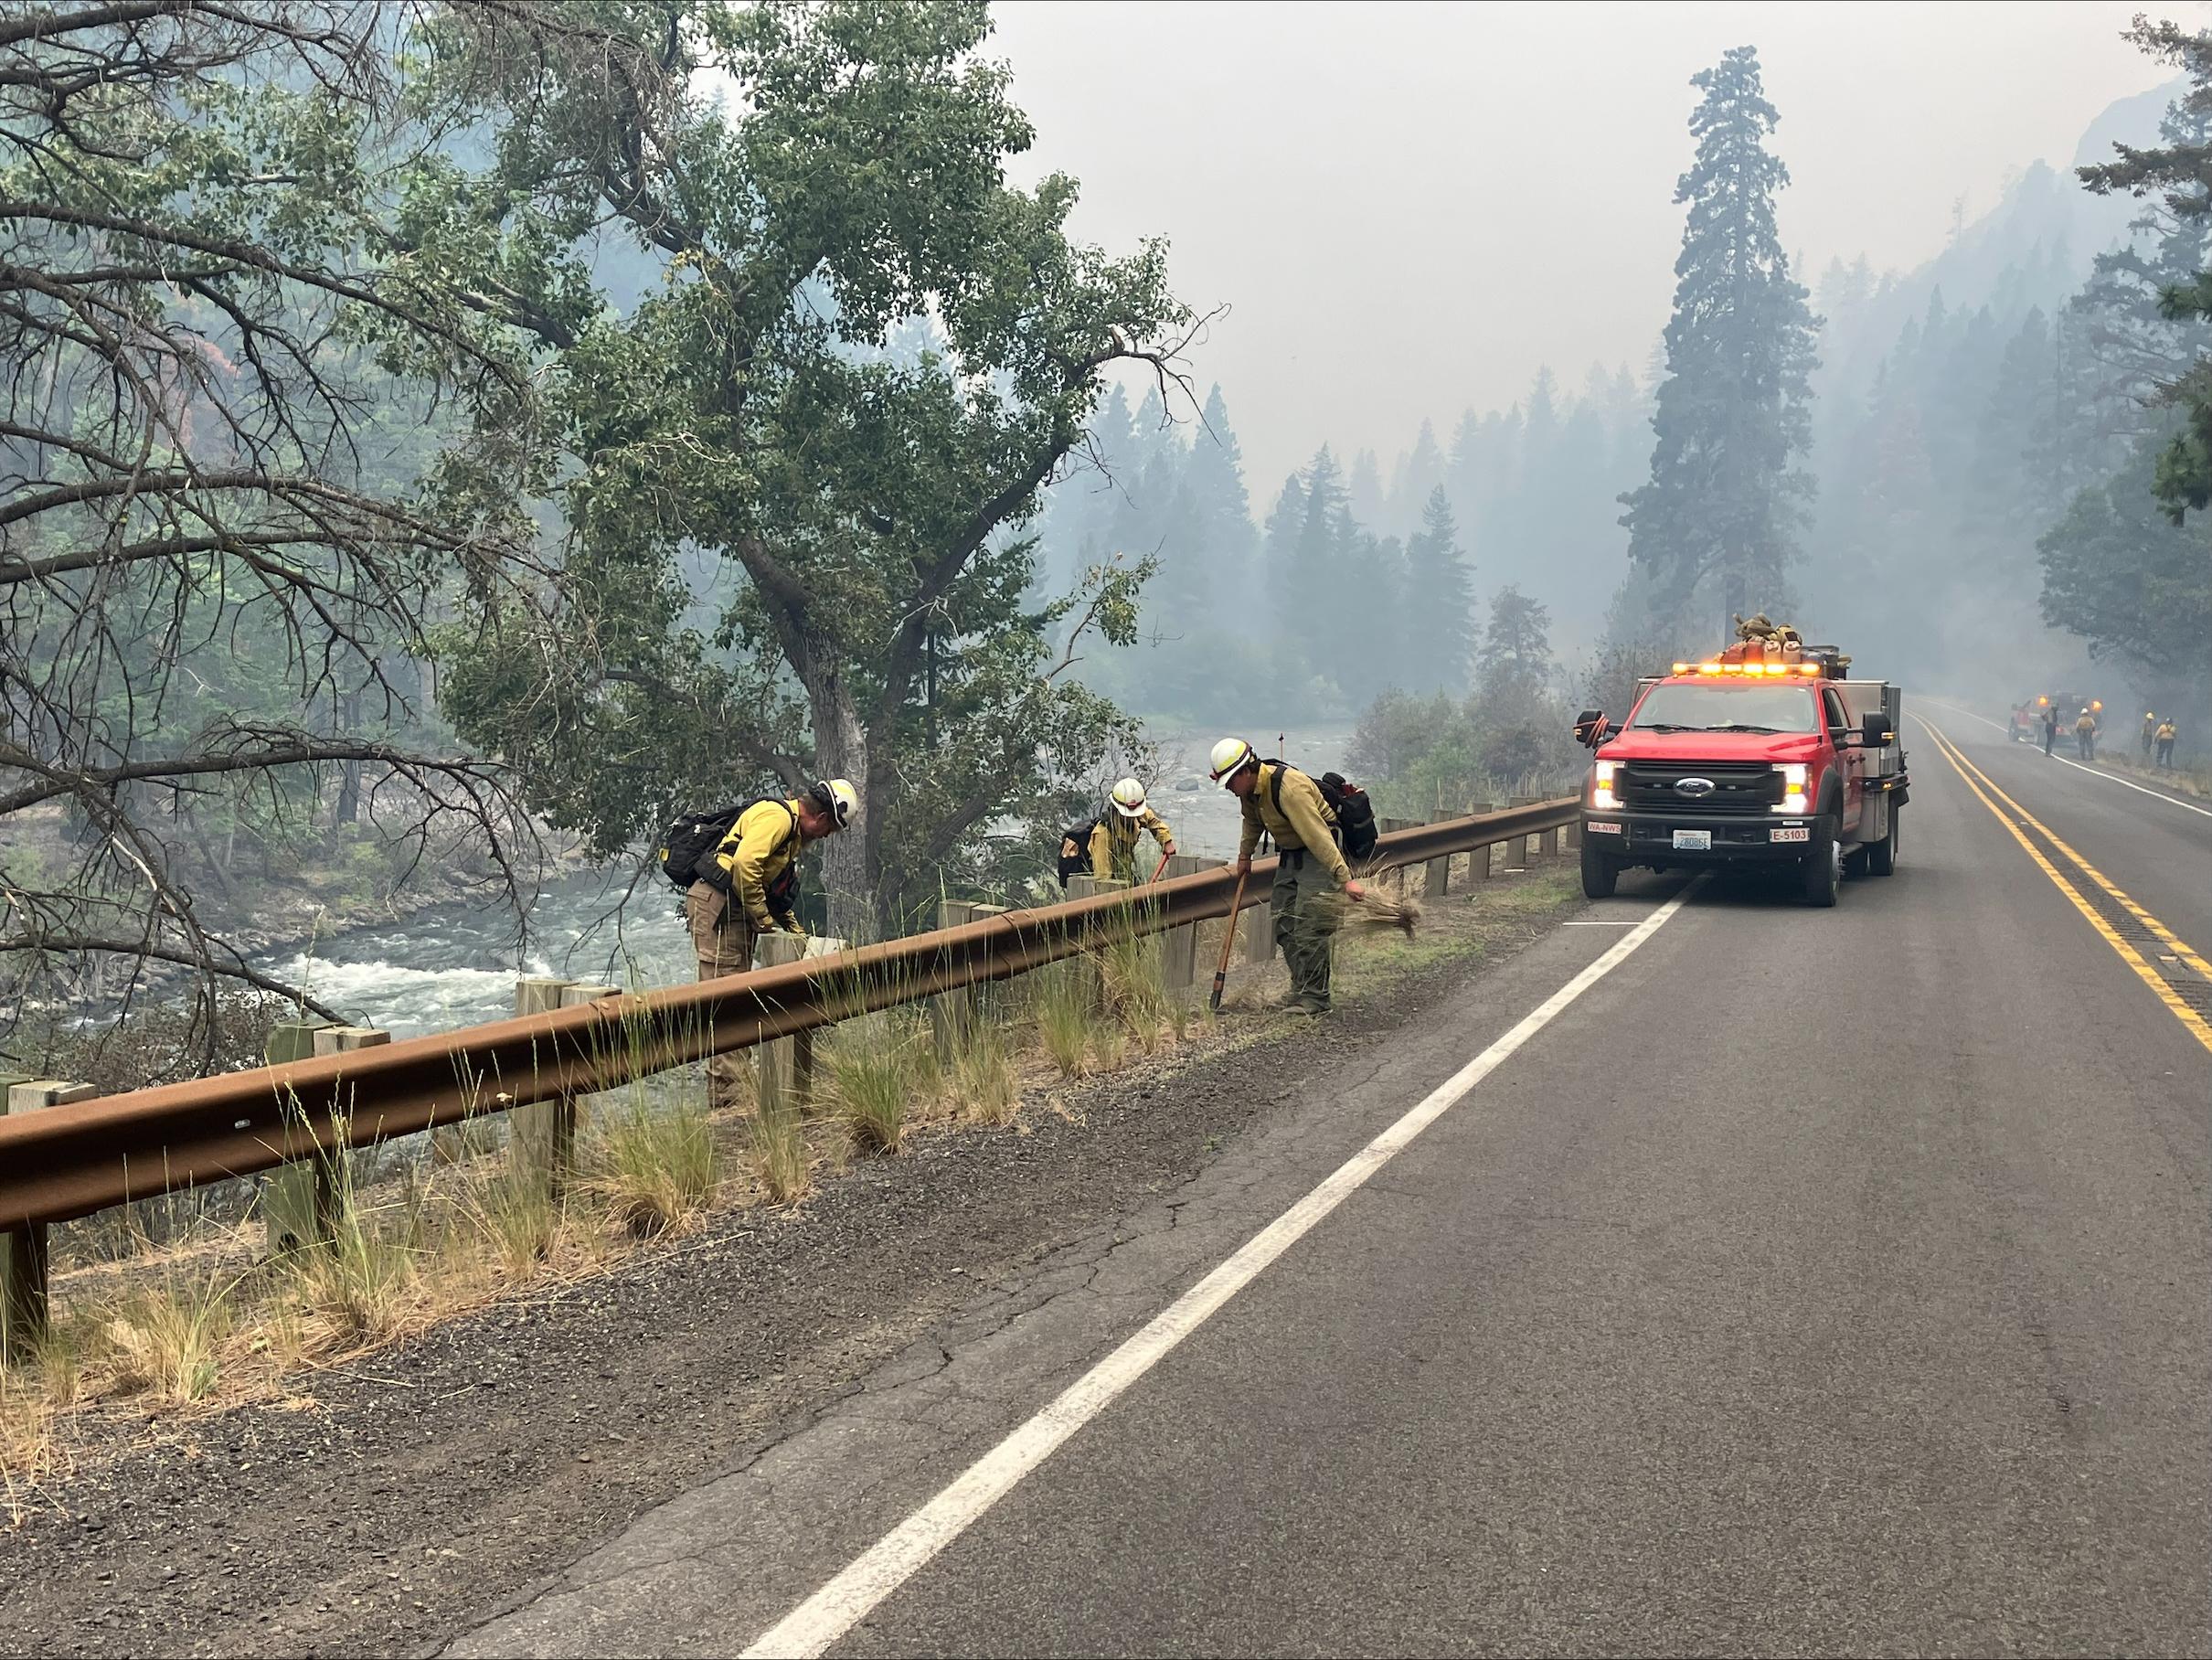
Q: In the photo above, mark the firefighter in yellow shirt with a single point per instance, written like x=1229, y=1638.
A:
x=1288, y=805
x=1113, y=839
x=752, y=888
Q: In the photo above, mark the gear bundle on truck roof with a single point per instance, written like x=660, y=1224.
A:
x=1767, y=754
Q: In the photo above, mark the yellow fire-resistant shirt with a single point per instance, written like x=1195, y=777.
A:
x=758, y=849
x=1303, y=822
x=1113, y=842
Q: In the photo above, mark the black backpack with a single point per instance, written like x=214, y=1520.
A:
x=1075, y=851
x=1355, y=829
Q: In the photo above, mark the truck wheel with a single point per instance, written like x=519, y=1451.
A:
x=1881, y=856
x=1822, y=870
x=1599, y=873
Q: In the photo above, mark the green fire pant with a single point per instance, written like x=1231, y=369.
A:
x=1307, y=909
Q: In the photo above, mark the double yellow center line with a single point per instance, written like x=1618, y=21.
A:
x=2013, y=817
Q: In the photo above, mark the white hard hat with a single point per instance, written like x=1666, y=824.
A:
x=1229, y=756
x=837, y=798
x=1129, y=798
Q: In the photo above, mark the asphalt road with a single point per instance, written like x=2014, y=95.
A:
x=1814, y=1281
x=2154, y=844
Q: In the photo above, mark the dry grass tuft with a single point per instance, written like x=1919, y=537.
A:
x=166, y=1339
x=513, y=1214
x=982, y=1082
x=1066, y=1019
x=777, y=1155
x=881, y=1072
x=355, y=1288
x=654, y=1171
x=1382, y=908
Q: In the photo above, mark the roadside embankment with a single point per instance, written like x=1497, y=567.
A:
x=370, y=1494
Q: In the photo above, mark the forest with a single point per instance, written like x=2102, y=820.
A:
x=445, y=435
x=1973, y=474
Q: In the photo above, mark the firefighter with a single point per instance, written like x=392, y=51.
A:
x=754, y=889
x=2050, y=727
x=2085, y=735
x=1113, y=839
x=1288, y=805
x=2166, y=735
x=2150, y=733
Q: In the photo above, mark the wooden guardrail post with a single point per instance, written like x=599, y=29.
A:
x=1436, y=879
x=293, y=1196
x=1086, y=965
x=1524, y=847
x=1478, y=861
x=1179, y=949
x=24, y=1250
x=953, y=1014
x=1258, y=921
x=1574, y=834
x=1383, y=826
x=541, y=1138
x=780, y=1085
x=474, y=1135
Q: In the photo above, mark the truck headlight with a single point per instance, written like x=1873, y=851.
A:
x=1601, y=796
x=1793, y=779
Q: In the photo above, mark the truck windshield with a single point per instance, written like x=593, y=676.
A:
x=1686, y=708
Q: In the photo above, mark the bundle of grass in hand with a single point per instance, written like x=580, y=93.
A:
x=1381, y=908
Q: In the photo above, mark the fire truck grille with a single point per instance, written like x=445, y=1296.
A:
x=1738, y=787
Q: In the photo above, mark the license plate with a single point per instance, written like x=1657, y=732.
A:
x=1693, y=841
x=1791, y=832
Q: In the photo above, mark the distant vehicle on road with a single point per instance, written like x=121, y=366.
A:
x=2027, y=724
x=1766, y=755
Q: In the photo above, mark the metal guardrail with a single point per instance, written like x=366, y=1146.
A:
x=70, y=1161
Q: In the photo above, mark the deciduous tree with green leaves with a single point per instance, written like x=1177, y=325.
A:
x=811, y=179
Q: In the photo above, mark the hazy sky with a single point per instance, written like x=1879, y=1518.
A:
x=1409, y=207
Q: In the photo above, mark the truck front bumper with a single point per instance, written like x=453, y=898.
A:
x=1646, y=839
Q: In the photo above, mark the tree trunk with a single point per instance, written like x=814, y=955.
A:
x=849, y=858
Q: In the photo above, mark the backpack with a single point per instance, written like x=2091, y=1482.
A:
x=1075, y=850
x=687, y=848
x=1355, y=830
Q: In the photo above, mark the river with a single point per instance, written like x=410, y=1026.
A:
x=456, y=965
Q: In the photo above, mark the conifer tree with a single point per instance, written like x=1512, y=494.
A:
x=1717, y=521
x=1423, y=471
x=1310, y=584
x=1279, y=553
x=1439, y=643
x=1223, y=512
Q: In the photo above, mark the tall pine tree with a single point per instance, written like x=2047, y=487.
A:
x=1717, y=522
x=1216, y=476
x=1439, y=644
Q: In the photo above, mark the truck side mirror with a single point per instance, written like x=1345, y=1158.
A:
x=1878, y=733
x=1592, y=729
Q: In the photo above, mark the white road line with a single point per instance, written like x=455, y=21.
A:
x=895, y=1559
x=2110, y=778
